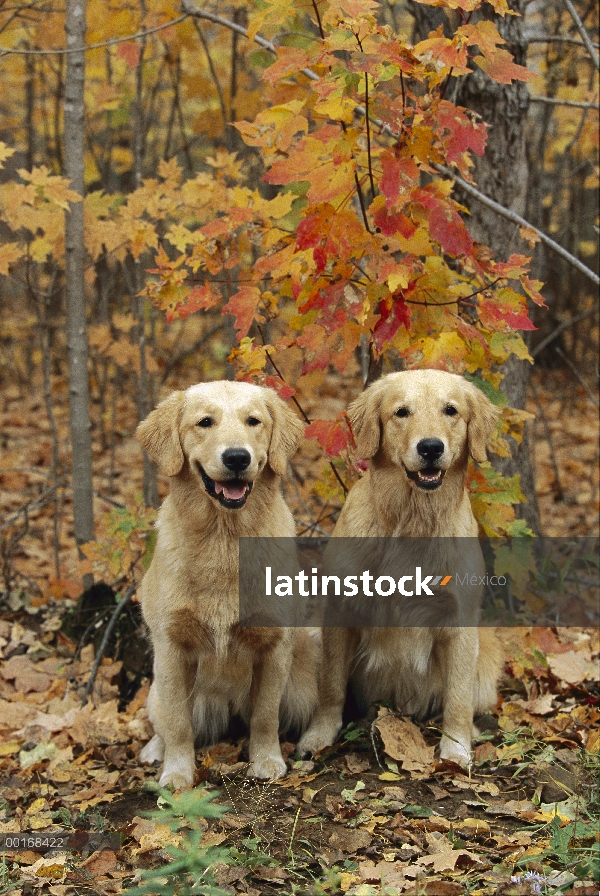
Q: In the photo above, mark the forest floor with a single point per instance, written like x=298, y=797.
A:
x=374, y=814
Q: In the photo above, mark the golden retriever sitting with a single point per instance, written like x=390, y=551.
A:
x=419, y=428
x=225, y=446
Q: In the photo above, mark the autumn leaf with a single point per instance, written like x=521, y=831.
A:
x=333, y=435
x=242, y=305
x=130, y=51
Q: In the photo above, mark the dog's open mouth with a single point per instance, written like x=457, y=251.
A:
x=429, y=478
x=230, y=493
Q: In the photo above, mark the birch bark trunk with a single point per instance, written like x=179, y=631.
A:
x=77, y=339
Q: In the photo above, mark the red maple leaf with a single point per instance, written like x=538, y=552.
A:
x=283, y=390
x=333, y=435
x=243, y=307
x=394, y=313
x=129, y=50
x=463, y=133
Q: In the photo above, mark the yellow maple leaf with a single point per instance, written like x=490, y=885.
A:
x=9, y=253
x=5, y=153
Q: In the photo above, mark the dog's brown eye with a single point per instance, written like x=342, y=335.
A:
x=402, y=412
x=205, y=422
x=253, y=421
x=450, y=411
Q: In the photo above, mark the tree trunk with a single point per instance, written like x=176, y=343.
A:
x=502, y=174
x=77, y=342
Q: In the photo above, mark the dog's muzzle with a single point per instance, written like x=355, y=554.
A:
x=230, y=493
x=429, y=478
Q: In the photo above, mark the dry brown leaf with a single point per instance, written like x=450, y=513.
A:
x=442, y=855
x=100, y=863
x=26, y=677
x=403, y=741
x=573, y=667
x=356, y=764
x=389, y=874
x=349, y=840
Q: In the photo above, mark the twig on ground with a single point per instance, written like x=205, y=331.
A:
x=372, y=736
x=103, y=644
x=46, y=497
x=110, y=501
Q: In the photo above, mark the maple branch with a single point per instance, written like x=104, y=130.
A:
x=386, y=129
x=371, y=179
x=302, y=411
x=318, y=15
x=584, y=35
x=279, y=374
x=459, y=299
x=368, y=126
x=517, y=219
x=558, y=102
x=4, y=51
x=213, y=72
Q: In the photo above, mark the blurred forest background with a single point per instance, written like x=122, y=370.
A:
x=158, y=155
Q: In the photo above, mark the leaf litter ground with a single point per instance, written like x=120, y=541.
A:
x=375, y=814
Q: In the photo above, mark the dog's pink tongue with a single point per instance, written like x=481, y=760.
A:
x=232, y=492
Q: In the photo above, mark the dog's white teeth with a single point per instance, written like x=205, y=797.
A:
x=230, y=491
x=429, y=477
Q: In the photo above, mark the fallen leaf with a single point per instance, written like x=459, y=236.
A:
x=100, y=863
x=403, y=741
x=356, y=764
x=572, y=667
x=349, y=840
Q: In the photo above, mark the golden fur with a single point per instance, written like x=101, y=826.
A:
x=421, y=670
x=206, y=667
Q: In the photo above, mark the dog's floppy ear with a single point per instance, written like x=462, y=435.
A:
x=159, y=434
x=482, y=422
x=363, y=414
x=287, y=433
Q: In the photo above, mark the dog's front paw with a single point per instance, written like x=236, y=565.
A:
x=177, y=773
x=154, y=750
x=454, y=751
x=267, y=768
x=322, y=733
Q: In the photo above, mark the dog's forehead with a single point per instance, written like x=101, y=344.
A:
x=423, y=387
x=224, y=394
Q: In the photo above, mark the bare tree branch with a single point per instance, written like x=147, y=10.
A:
x=553, y=101
x=104, y=643
x=578, y=376
x=193, y=10
x=554, y=39
x=584, y=35
x=559, y=329
x=517, y=219
x=4, y=51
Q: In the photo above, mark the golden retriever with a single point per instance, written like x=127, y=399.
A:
x=418, y=428
x=225, y=446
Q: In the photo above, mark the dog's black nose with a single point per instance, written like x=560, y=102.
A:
x=430, y=449
x=236, y=459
